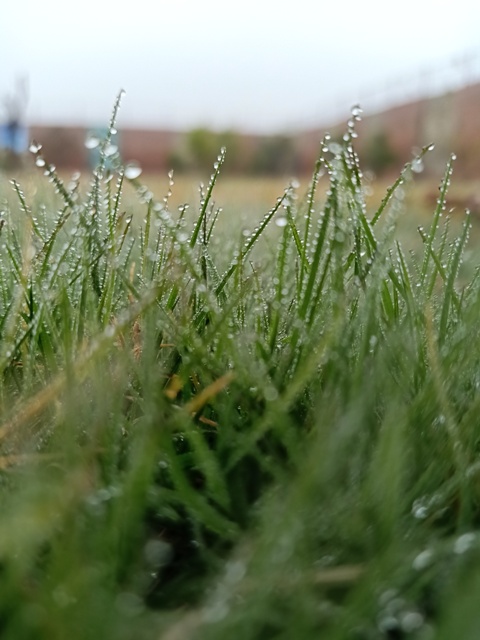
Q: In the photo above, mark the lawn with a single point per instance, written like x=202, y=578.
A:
x=256, y=417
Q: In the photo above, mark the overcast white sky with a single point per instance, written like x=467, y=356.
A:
x=258, y=65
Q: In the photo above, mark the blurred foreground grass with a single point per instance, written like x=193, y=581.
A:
x=260, y=422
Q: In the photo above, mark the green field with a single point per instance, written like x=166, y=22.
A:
x=254, y=422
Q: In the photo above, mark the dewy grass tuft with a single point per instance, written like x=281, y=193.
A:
x=204, y=444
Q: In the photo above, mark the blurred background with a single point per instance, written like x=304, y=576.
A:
x=265, y=79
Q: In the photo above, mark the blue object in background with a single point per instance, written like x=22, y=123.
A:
x=14, y=137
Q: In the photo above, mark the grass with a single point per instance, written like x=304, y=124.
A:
x=211, y=433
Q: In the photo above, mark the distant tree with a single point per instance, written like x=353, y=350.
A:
x=379, y=155
x=203, y=148
x=275, y=155
x=178, y=161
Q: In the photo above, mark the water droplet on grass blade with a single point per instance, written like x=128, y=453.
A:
x=420, y=509
x=417, y=165
x=335, y=148
x=464, y=543
x=357, y=112
x=110, y=150
x=92, y=141
x=157, y=552
x=109, y=331
x=39, y=161
x=387, y=624
x=422, y=560
x=281, y=221
x=132, y=170
x=411, y=621
x=34, y=147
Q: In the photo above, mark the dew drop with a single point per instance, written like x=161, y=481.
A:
x=335, y=148
x=109, y=331
x=387, y=624
x=419, y=509
x=132, y=170
x=157, y=552
x=357, y=112
x=463, y=543
x=281, y=221
x=411, y=621
x=34, y=147
x=92, y=141
x=422, y=560
x=417, y=165
x=110, y=150
x=39, y=161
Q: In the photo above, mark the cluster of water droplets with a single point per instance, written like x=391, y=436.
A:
x=397, y=615
x=287, y=205
x=169, y=193
x=278, y=212
x=428, y=506
x=35, y=148
x=145, y=196
x=102, y=496
x=346, y=151
x=74, y=184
